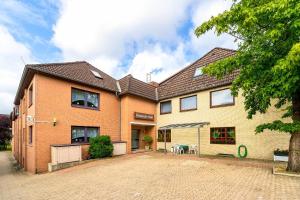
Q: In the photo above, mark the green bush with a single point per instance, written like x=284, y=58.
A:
x=100, y=147
x=148, y=139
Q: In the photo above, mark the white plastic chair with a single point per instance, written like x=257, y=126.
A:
x=175, y=148
x=193, y=149
x=179, y=149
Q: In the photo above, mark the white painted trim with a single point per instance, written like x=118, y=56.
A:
x=142, y=123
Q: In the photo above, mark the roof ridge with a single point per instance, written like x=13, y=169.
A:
x=58, y=63
x=143, y=82
x=180, y=71
x=227, y=49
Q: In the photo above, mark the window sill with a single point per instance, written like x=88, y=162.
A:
x=223, y=105
x=224, y=143
x=165, y=113
x=80, y=143
x=188, y=110
x=88, y=108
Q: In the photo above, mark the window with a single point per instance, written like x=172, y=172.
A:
x=30, y=93
x=221, y=98
x=85, y=99
x=161, y=133
x=188, y=103
x=30, y=135
x=96, y=74
x=223, y=135
x=83, y=134
x=198, y=72
x=165, y=107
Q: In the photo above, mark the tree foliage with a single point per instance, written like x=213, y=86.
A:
x=5, y=131
x=268, y=56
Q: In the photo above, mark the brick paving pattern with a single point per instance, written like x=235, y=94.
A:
x=150, y=176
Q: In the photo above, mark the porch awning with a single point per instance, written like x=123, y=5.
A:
x=184, y=125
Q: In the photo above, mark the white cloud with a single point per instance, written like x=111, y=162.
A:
x=201, y=13
x=11, y=11
x=161, y=62
x=106, y=33
x=11, y=67
x=113, y=29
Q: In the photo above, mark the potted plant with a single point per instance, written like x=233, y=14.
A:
x=281, y=155
x=216, y=134
x=148, y=140
x=231, y=133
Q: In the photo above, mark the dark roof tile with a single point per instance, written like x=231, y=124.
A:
x=131, y=85
x=184, y=82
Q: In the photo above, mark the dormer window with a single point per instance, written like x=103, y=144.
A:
x=96, y=74
x=198, y=72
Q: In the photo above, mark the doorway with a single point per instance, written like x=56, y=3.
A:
x=135, y=139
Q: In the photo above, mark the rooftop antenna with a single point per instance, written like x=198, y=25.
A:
x=23, y=61
x=148, y=77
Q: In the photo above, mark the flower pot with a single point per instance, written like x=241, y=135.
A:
x=147, y=147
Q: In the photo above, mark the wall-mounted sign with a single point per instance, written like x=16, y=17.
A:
x=143, y=116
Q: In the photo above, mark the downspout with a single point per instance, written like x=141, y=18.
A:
x=35, y=95
x=120, y=109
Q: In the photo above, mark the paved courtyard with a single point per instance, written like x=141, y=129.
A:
x=150, y=176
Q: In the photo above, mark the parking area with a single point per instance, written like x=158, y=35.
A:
x=150, y=176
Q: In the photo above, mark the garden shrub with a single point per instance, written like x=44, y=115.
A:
x=100, y=147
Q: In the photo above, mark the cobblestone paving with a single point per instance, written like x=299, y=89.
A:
x=150, y=176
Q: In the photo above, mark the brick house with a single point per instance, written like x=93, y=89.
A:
x=67, y=103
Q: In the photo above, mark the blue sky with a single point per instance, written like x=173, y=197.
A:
x=118, y=37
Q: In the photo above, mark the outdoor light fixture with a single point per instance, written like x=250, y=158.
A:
x=54, y=121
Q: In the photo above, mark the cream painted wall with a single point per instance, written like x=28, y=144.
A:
x=259, y=146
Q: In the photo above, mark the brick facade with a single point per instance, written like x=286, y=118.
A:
x=119, y=99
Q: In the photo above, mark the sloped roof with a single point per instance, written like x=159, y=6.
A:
x=184, y=82
x=131, y=85
x=79, y=72
x=181, y=83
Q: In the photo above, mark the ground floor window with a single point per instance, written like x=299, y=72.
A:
x=160, y=137
x=222, y=135
x=30, y=135
x=81, y=134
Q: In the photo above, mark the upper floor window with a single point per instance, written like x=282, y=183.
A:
x=85, y=99
x=81, y=134
x=30, y=96
x=165, y=107
x=161, y=135
x=221, y=98
x=198, y=71
x=188, y=103
x=223, y=135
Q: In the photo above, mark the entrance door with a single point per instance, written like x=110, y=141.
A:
x=135, y=139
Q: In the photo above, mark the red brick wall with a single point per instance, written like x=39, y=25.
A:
x=54, y=101
x=129, y=105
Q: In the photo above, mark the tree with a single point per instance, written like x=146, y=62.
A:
x=268, y=61
x=5, y=131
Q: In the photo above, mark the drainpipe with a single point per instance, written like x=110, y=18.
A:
x=120, y=108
